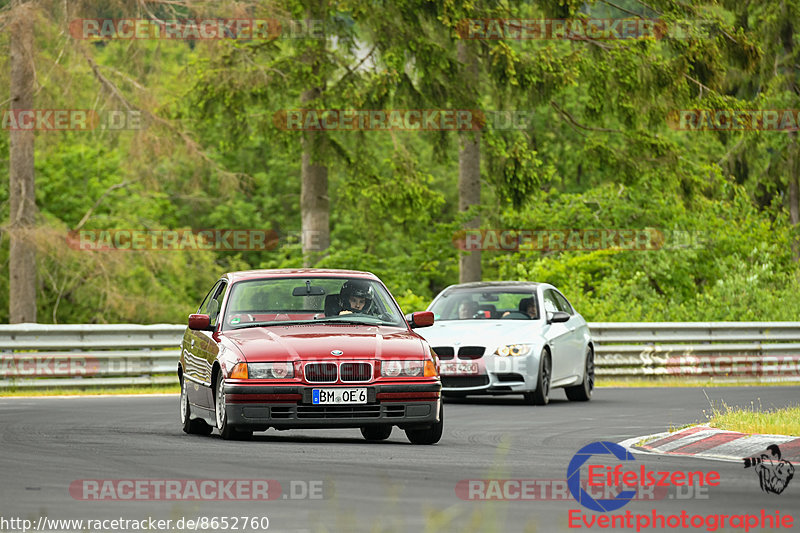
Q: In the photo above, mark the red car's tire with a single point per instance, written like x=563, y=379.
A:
x=430, y=435
x=376, y=432
x=225, y=430
x=196, y=426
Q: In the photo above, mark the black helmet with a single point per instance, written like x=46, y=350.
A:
x=356, y=287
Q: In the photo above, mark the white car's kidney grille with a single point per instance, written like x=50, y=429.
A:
x=471, y=352
x=444, y=352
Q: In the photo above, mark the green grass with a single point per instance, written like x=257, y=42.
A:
x=683, y=382
x=754, y=419
x=93, y=391
x=601, y=383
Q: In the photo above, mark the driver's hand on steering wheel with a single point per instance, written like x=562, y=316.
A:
x=345, y=312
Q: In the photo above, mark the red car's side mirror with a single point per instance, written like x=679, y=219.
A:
x=421, y=319
x=199, y=322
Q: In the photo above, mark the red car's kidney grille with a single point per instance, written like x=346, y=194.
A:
x=355, y=372
x=321, y=372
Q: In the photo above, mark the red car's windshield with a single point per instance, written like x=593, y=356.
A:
x=277, y=301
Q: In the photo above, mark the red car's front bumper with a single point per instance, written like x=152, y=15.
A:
x=258, y=407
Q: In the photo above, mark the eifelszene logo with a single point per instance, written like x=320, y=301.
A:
x=774, y=473
x=574, y=476
x=630, y=474
x=629, y=480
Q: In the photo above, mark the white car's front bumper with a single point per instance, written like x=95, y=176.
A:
x=495, y=374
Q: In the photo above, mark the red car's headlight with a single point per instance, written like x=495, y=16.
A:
x=391, y=369
x=430, y=369
x=277, y=370
x=239, y=371
x=407, y=368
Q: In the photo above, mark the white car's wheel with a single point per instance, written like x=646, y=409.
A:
x=583, y=392
x=541, y=396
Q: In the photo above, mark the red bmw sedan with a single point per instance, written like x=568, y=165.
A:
x=307, y=348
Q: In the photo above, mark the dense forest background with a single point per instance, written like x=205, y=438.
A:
x=596, y=151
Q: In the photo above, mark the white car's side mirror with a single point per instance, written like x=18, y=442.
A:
x=558, y=316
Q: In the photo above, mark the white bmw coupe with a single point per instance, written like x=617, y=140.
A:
x=510, y=337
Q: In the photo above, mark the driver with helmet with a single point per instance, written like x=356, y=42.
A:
x=355, y=297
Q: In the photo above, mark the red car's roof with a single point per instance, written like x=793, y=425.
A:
x=297, y=273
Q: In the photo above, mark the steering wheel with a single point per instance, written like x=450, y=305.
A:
x=516, y=315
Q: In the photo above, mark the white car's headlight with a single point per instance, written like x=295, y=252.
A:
x=270, y=370
x=510, y=350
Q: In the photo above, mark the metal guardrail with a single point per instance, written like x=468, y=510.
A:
x=78, y=355
x=41, y=355
x=741, y=351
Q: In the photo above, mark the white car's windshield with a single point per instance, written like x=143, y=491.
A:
x=486, y=303
x=278, y=301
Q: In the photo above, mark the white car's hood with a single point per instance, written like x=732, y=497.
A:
x=481, y=332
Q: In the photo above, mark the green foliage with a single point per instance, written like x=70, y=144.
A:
x=597, y=152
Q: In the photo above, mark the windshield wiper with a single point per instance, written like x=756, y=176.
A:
x=337, y=320
x=362, y=320
x=268, y=323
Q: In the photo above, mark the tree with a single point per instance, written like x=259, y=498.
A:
x=22, y=199
x=469, y=170
x=314, y=201
x=768, y=163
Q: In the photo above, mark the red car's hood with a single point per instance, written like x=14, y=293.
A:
x=317, y=341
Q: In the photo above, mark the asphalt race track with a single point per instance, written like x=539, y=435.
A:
x=333, y=480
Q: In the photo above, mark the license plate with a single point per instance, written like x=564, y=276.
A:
x=338, y=396
x=458, y=368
